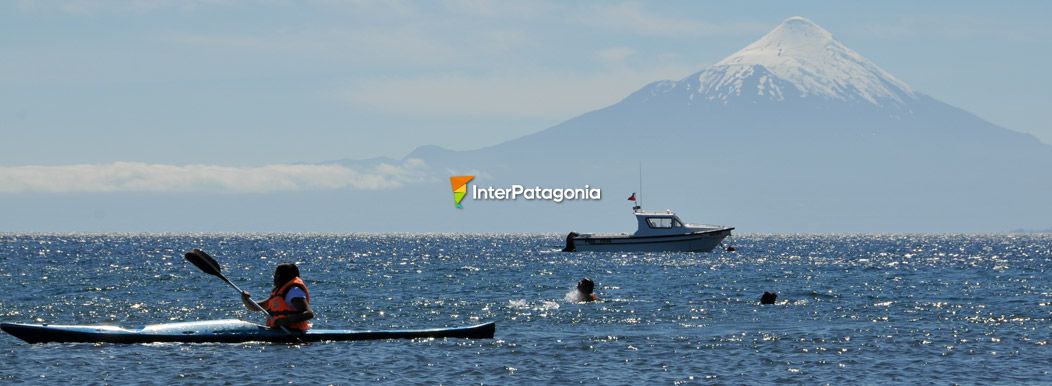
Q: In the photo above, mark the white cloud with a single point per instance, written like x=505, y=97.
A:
x=510, y=11
x=396, y=45
x=954, y=27
x=631, y=17
x=143, y=177
x=92, y=7
x=540, y=94
x=615, y=54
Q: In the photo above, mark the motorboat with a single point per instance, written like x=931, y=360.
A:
x=656, y=232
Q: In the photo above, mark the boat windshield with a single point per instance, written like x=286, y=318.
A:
x=660, y=222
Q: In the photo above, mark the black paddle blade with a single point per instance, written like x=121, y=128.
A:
x=203, y=262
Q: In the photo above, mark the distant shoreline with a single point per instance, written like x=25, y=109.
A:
x=1024, y=230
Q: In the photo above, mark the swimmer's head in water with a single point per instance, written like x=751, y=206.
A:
x=586, y=286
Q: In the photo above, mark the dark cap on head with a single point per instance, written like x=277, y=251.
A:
x=285, y=272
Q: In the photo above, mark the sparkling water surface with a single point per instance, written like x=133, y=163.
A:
x=852, y=309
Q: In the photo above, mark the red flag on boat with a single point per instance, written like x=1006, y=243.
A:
x=632, y=197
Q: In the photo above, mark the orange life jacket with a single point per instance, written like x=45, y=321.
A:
x=278, y=308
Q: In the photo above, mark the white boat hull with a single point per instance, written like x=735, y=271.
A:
x=704, y=241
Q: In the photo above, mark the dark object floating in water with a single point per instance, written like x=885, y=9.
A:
x=731, y=248
x=224, y=331
x=586, y=290
x=570, y=247
x=768, y=298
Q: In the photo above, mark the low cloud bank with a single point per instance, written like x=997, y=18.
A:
x=143, y=177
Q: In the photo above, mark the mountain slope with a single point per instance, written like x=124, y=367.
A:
x=812, y=61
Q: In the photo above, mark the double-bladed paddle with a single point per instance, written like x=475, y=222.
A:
x=208, y=265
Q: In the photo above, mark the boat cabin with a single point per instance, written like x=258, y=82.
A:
x=659, y=223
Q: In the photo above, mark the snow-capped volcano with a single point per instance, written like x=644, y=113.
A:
x=797, y=59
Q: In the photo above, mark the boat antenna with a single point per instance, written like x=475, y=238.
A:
x=640, y=204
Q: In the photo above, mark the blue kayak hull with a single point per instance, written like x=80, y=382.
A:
x=224, y=331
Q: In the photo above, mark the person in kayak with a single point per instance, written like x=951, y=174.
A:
x=289, y=302
x=585, y=291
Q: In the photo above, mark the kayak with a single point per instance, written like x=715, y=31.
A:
x=224, y=331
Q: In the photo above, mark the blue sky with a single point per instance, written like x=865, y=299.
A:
x=233, y=84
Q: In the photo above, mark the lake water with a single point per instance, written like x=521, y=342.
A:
x=852, y=309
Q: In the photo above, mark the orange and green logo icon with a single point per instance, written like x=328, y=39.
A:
x=460, y=188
